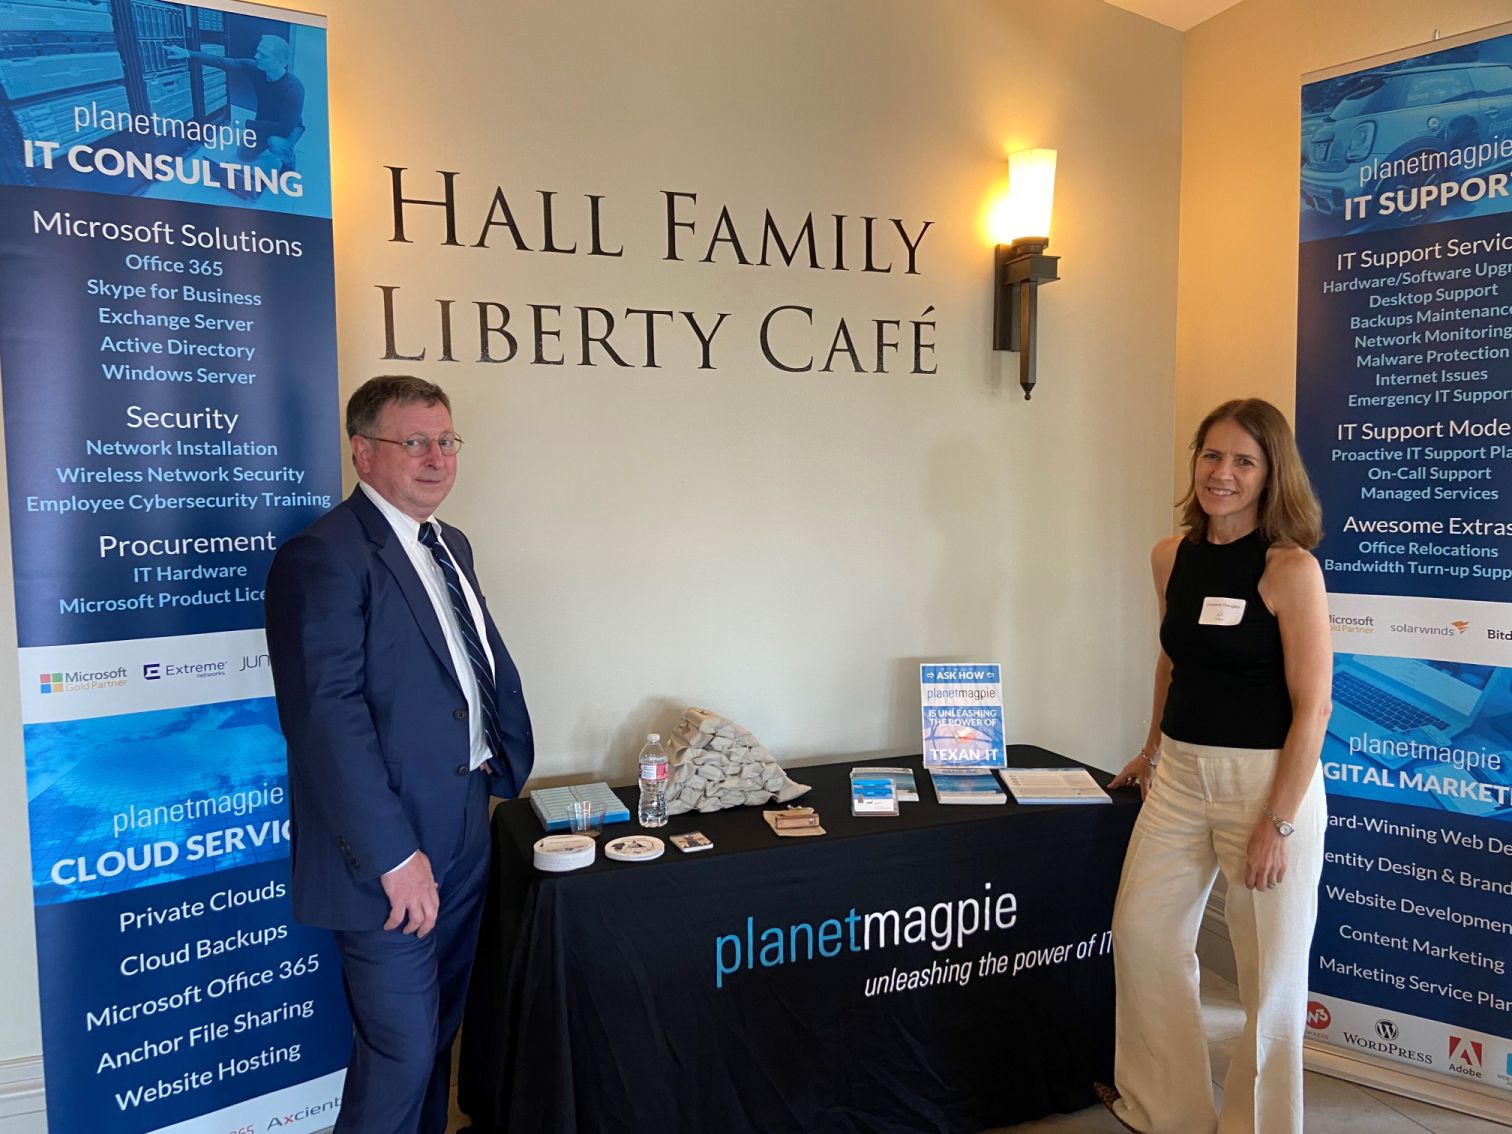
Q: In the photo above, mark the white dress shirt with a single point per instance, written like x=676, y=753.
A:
x=408, y=531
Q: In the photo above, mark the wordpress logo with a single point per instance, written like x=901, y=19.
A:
x=1387, y=1029
x=153, y=671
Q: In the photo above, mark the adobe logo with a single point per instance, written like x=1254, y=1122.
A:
x=1318, y=1015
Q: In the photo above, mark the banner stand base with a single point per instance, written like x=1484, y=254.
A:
x=1387, y=1075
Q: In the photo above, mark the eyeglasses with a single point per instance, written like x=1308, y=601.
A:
x=420, y=444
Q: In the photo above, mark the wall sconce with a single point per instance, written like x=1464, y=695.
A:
x=1019, y=264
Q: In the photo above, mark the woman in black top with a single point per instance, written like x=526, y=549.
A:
x=1230, y=775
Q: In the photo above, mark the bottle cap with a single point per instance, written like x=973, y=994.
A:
x=653, y=738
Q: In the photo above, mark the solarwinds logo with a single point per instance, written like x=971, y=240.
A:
x=1451, y=629
x=81, y=681
x=1466, y=1057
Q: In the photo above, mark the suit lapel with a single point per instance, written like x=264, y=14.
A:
x=393, y=556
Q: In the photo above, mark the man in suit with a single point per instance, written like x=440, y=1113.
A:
x=402, y=711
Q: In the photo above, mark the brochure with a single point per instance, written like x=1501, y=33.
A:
x=1053, y=785
x=966, y=785
x=962, y=706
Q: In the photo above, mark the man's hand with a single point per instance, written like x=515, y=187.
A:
x=174, y=51
x=412, y=894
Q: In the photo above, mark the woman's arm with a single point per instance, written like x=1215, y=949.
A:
x=1293, y=590
x=1141, y=769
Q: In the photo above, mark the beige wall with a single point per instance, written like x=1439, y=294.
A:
x=1237, y=311
x=781, y=548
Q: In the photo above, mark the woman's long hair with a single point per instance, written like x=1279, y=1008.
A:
x=1289, y=509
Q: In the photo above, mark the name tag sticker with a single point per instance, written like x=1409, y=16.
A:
x=1221, y=612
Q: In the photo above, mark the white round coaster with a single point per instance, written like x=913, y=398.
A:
x=564, y=852
x=634, y=848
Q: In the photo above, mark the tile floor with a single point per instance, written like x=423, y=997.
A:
x=1333, y=1106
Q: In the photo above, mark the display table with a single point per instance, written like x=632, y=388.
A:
x=947, y=969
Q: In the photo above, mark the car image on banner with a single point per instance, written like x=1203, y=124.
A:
x=1403, y=127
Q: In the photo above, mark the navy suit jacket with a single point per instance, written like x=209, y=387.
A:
x=372, y=712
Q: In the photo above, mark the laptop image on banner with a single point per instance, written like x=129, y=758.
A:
x=1395, y=697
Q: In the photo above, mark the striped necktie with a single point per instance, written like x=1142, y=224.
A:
x=471, y=641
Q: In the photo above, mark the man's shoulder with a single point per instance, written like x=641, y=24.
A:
x=338, y=531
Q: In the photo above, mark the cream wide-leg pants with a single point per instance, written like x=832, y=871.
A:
x=1197, y=820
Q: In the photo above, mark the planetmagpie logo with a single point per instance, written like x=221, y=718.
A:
x=1318, y=1015
x=1387, y=1029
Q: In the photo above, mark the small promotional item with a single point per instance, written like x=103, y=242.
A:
x=872, y=794
x=902, y=778
x=556, y=853
x=585, y=817
x=692, y=841
x=794, y=823
x=634, y=848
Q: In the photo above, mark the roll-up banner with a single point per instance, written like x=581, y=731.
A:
x=1404, y=415
x=167, y=350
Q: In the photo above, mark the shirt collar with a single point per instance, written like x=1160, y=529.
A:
x=406, y=527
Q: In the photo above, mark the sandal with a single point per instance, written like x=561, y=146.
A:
x=1108, y=1096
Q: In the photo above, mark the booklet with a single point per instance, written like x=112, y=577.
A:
x=1053, y=785
x=872, y=794
x=966, y=785
x=903, y=781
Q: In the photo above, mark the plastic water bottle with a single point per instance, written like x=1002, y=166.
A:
x=653, y=783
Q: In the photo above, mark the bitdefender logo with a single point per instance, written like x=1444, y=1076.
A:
x=1387, y=1029
x=1466, y=1057
x=1318, y=1015
x=81, y=681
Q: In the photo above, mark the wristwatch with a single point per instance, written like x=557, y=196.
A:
x=1283, y=828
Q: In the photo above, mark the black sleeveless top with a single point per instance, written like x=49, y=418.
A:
x=1228, y=682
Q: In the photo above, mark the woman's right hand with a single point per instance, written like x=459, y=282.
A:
x=1138, y=771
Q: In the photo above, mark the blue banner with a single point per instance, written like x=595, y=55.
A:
x=1404, y=417
x=167, y=338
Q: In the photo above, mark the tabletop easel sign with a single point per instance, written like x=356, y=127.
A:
x=962, y=708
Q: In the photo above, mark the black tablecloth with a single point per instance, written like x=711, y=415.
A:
x=745, y=988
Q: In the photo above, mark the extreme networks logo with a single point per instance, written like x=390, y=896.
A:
x=1466, y=1056
x=1388, y=1031
x=156, y=671
x=81, y=681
